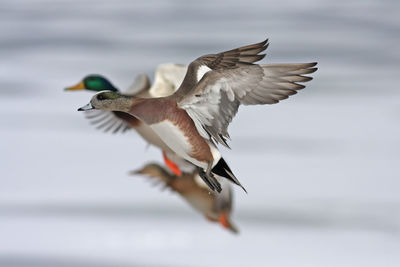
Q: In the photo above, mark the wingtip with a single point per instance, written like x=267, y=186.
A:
x=135, y=172
x=262, y=43
x=244, y=189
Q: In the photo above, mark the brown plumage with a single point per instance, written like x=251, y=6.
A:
x=215, y=207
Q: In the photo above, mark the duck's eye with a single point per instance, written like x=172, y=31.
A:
x=100, y=97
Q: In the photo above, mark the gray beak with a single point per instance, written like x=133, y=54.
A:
x=87, y=107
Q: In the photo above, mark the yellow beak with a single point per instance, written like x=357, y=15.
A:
x=79, y=86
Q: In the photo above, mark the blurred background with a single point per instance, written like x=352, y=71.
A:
x=322, y=168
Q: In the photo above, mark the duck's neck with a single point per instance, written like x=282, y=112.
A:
x=123, y=104
x=151, y=110
x=126, y=103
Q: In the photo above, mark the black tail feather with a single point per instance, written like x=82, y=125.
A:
x=222, y=169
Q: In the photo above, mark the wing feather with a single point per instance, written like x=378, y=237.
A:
x=107, y=120
x=235, y=58
x=140, y=85
x=167, y=78
x=215, y=100
x=215, y=85
x=244, y=55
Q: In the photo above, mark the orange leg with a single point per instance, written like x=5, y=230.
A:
x=171, y=165
x=223, y=220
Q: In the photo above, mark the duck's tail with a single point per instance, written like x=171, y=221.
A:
x=222, y=169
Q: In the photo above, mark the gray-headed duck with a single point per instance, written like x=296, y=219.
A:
x=197, y=115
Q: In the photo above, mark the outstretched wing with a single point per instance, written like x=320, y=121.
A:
x=108, y=121
x=235, y=58
x=230, y=79
x=167, y=78
x=159, y=173
x=140, y=85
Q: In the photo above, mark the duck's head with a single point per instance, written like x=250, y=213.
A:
x=108, y=100
x=93, y=82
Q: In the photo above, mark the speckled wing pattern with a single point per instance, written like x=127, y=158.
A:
x=234, y=79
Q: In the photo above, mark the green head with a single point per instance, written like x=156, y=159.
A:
x=108, y=100
x=93, y=82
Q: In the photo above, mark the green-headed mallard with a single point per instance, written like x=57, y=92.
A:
x=167, y=78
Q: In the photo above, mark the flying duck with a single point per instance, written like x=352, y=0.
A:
x=215, y=207
x=196, y=117
x=168, y=77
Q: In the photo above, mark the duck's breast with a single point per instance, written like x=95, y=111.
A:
x=151, y=137
x=175, y=127
x=173, y=136
x=181, y=135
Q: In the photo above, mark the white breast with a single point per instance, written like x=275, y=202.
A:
x=172, y=136
x=151, y=137
x=179, y=143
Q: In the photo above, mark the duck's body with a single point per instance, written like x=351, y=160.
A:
x=177, y=129
x=215, y=207
x=199, y=112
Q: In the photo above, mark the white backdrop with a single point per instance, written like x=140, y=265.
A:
x=322, y=168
